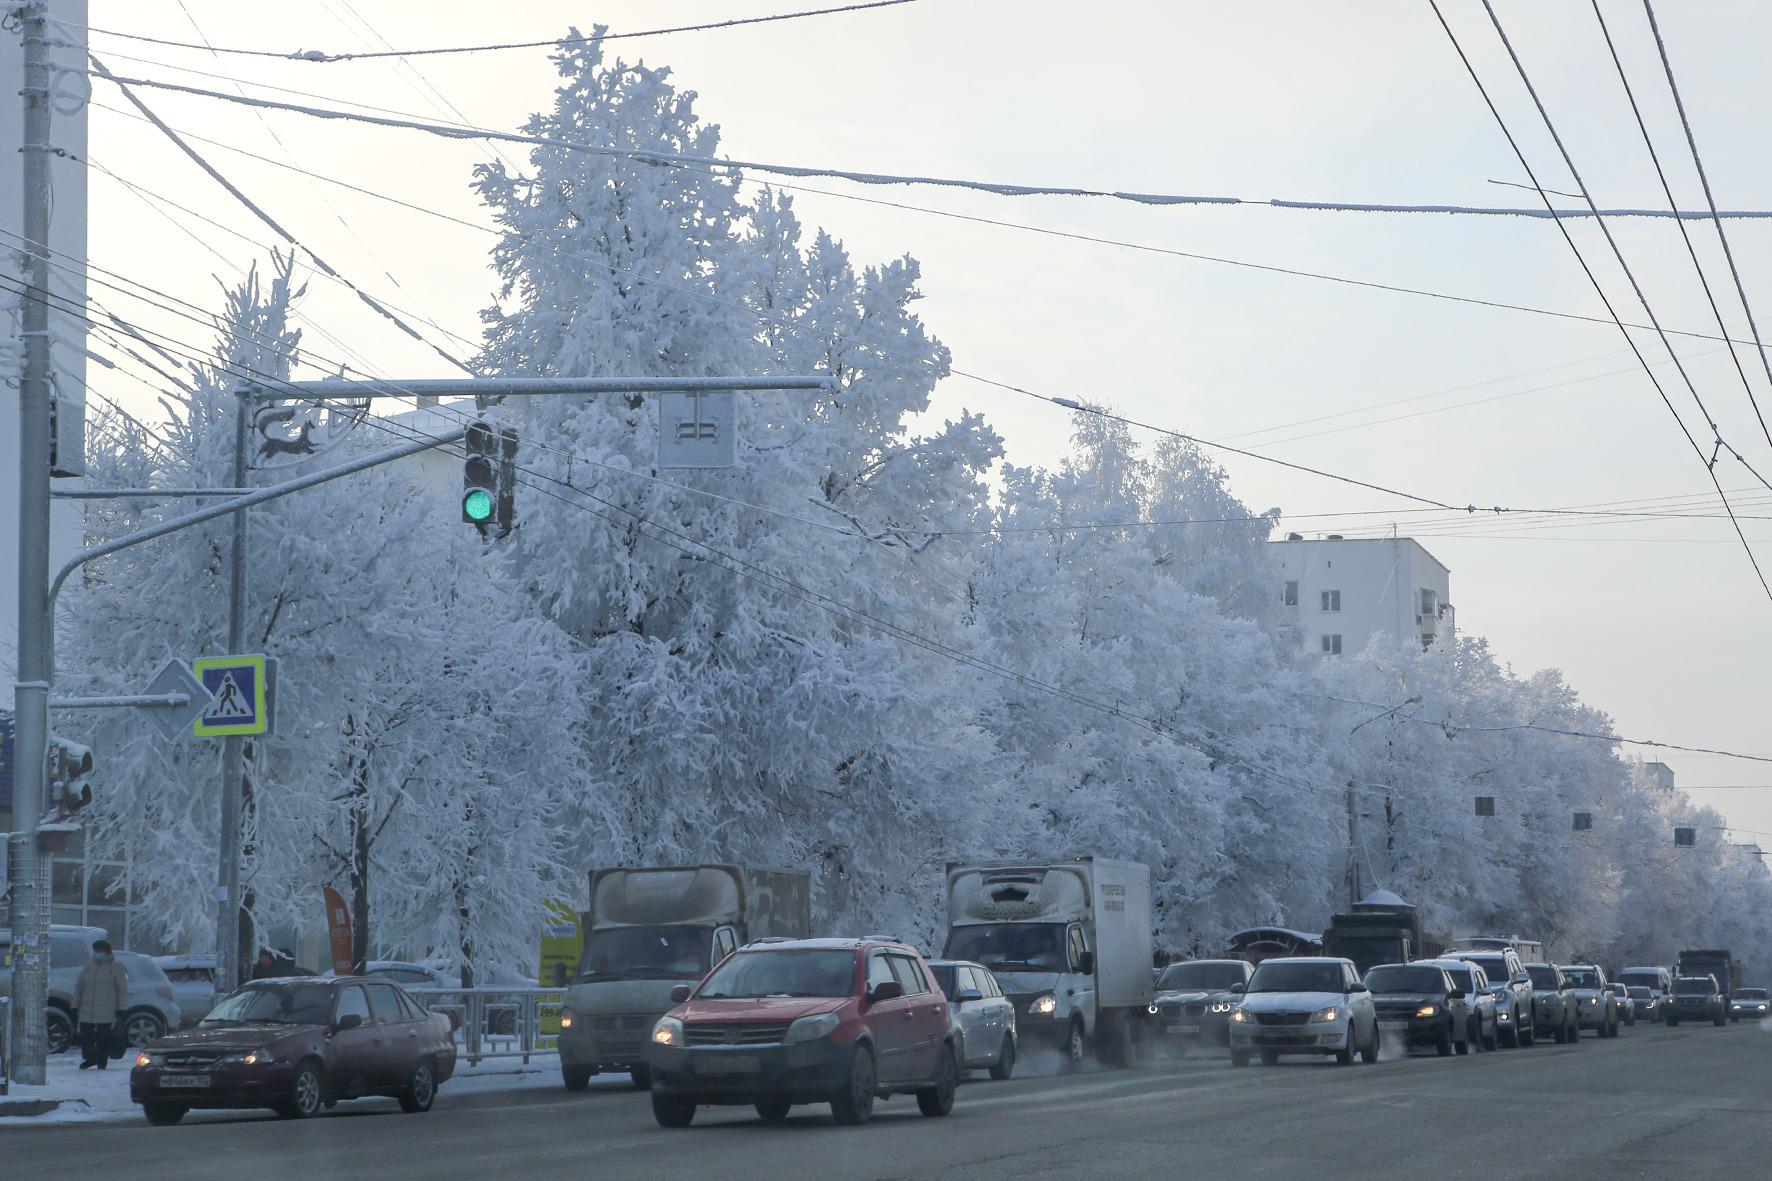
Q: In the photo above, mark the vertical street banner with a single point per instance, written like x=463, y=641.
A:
x=338, y=930
x=562, y=943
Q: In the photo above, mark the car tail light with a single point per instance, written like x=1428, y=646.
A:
x=163, y=991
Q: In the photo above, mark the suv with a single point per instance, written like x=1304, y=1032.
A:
x=1421, y=1005
x=1697, y=997
x=1305, y=1005
x=1512, y=989
x=794, y=1021
x=1553, y=1003
x=1596, y=1007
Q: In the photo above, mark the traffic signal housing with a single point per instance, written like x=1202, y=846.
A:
x=69, y=780
x=479, y=478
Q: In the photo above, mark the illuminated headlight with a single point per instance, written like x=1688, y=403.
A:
x=1427, y=1010
x=1593, y=1000
x=1223, y=1007
x=1504, y=1016
x=668, y=1032
x=566, y=1018
x=1044, y=1005
x=143, y=1058
x=1152, y=1009
x=807, y=1029
x=1241, y=1016
x=250, y=1058
x=1330, y=1014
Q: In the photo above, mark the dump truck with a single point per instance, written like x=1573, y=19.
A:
x=1069, y=941
x=1380, y=929
x=652, y=928
x=1717, y=963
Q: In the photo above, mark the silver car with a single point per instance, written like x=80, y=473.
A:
x=193, y=984
x=1627, y=1005
x=1485, y=1031
x=1596, y=1007
x=149, y=1009
x=1305, y=1005
x=1749, y=1002
x=981, y=1015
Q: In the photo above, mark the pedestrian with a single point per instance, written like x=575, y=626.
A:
x=266, y=968
x=99, y=996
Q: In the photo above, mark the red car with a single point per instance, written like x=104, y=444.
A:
x=295, y=1046
x=794, y=1021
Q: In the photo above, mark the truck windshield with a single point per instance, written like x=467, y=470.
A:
x=1281, y=976
x=646, y=953
x=1405, y=980
x=1025, y=947
x=1181, y=977
x=782, y=973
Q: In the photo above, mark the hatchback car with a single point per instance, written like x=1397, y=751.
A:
x=1646, y=1002
x=1421, y=1005
x=984, y=1019
x=1627, y=1005
x=783, y=1022
x=193, y=984
x=296, y=1045
x=1595, y=1006
x=1305, y=1005
x=1749, y=1002
x=149, y=1010
x=1484, y=1030
x=1194, y=1001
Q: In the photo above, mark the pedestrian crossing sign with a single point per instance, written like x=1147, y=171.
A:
x=239, y=688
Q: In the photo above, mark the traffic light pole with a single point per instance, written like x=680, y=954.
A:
x=30, y=909
x=233, y=787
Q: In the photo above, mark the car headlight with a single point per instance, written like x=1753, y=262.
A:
x=1223, y=1006
x=1330, y=1014
x=1241, y=1016
x=250, y=1058
x=1044, y=1005
x=1504, y=1016
x=668, y=1032
x=143, y=1058
x=1427, y=1010
x=1152, y=1009
x=566, y=1018
x=808, y=1029
x=1593, y=1000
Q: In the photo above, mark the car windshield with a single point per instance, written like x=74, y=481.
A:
x=1543, y=976
x=782, y=973
x=274, y=1004
x=1751, y=994
x=1401, y=979
x=1640, y=992
x=1027, y=947
x=1495, y=969
x=1200, y=975
x=1463, y=977
x=1291, y=976
x=1647, y=979
x=1694, y=986
x=1582, y=977
x=944, y=978
x=646, y=953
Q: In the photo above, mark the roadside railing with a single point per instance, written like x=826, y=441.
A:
x=497, y=1022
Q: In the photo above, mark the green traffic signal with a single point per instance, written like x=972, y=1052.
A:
x=477, y=506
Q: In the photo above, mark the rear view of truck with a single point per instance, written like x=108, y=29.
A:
x=1719, y=965
x=651, y=929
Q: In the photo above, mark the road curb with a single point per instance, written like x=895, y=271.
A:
x=30, y=1107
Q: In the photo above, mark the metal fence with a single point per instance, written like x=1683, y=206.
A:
x=498, y=1022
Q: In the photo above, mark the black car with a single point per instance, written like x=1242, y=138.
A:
x=1194, y=1000
x=1421, y=1005
x=295, y=1046
x=1695, y=998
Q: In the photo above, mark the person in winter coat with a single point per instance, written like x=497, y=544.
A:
x=99, y=996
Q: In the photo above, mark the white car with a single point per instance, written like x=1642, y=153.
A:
x=1305, y=1005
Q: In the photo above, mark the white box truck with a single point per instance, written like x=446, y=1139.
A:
x=1070, y=942
x=651, y=929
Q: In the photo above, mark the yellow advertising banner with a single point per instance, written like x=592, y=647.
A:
x=562, y=943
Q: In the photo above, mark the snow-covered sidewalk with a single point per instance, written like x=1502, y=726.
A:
x=88, y=1096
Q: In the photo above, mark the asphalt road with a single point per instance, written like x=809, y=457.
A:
x=1691, y=1103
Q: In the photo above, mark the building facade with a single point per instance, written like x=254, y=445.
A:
x=1339, y=593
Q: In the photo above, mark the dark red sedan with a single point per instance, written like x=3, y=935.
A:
x=296, y=1046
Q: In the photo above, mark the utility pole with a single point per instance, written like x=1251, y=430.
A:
x=227, y=885
x=30, y=907
x=1353, y=845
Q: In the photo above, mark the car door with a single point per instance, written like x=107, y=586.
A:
x=977, y=1017
x=926, y=1013
x=1362, y=1011
x=889, y=1021
x=397, y=1045
x=356, y=1053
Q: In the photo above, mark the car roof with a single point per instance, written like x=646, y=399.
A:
x=856, y=943
x=185, y=961
x=1450, y=963
x=1305, y=959
x=1222, y=959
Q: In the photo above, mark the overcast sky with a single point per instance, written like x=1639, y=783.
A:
x=1662, y=623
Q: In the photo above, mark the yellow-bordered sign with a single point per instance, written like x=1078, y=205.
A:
x=238, y=684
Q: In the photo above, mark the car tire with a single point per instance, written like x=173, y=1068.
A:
x=1717, y=1021
x=576, y=1078
x=854, y=1103
x=1239, y=1057
x=1345, y=1056
x=1076, y=1046
x=1270, y=1057
x=1443, y=1042
x=1673, y=1022
x=1370, y=1054
x=938, y=1098
x=307, y=1093
x=773, y=1110
x=1464, y=1043
x=641, y=1077
x=672, y=1113
x=1005, y=1066
x=420, y=1090
x=164, y=1115
x=60, y=1030
x=141, y=1027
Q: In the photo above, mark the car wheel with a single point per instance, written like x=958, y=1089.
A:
x=1345, y=1055
x=1717, y=1021
x=1529, y=1033
x=1673, y=1022
x=164, y=1115
x=641, y=1077
x=1005, y=1067
x=306, y=1093
x=1370, y=1054
x=1270, y=1057
x=576, y=1078
x=773, y=1110
x=142, y=1027
x=854, y=1104
x=672, y=1113
x=1464, y=1043
x=1076, y=1046
x=420, y=1089
x=1443, y=1042
x=60, y=1029
x=939, y=1098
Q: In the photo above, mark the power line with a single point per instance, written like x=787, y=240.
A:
x=319, y=56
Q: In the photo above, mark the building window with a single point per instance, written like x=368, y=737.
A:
x=1331, y=600
x=1290, y=597
x=1430, y=602
x=1332, y=645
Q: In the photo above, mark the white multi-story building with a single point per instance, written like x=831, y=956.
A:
x=1340, y=593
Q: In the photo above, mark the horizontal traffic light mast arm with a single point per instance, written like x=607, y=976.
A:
x=517, y=387
x=122, y=702
x=273, y=492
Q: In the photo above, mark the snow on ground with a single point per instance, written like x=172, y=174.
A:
x=90, y=1096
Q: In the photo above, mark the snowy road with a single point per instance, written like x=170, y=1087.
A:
x=1692, y=1102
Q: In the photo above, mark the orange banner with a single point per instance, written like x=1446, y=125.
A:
x=338, y=926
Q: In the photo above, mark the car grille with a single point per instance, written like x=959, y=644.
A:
x=1282, y=1018
x=613, y=1022
x=734, y=1034
x=1194, y=1009
x=192, y=1059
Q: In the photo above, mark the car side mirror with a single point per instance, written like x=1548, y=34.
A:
x=679, y=994
x=968, y=994
x=886, y=990
x=348, y=1021
x=1357, y=986
x=1456, y=994
x=1522, y=978
x=1239, y=987
x=1086, y=963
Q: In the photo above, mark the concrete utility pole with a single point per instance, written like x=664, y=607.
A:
x=1353, y=844
x=30, y=904
x=227, y=886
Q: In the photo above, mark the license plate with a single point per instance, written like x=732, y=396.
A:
x=1181, y=1029
x=192, y=1081
x=729, y=1064
x=1393, y=1026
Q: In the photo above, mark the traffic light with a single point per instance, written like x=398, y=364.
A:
x=479, y=479
x=1685, y=838
x=69, y=780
